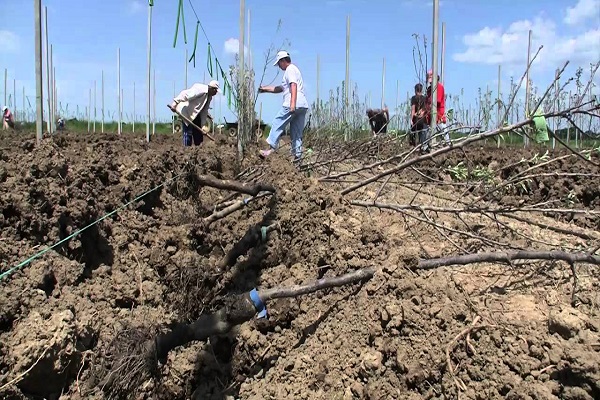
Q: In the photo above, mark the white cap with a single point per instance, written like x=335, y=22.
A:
x=4, y=108
x=214, y=84
x=281, y=54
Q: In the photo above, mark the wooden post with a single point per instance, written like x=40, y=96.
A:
x=555, y=106
x=173, y=116
x=15, y=95
x=383, y=85
x=249, y=55
x=121, y=111
x=54, y=96
x=39, y=114
x=95, y=108
x=102, y=101
x=119, y=89
x=51, y=90
x=48, y=81
x=133, y=121
x=5, y=87
x=240, y=82
x=434, y=58
x=347, y=81
x=149, y=93
x=527, y=86
x=154, y=103
x=24, y=116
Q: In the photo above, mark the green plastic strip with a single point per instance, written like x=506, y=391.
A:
x=177, y=23
x=193, y=57
x=209, y=62
x=47, y=249
x=151, y=3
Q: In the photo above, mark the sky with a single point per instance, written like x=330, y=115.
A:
x=480, y=35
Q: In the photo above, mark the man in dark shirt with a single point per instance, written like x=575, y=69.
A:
x=417, y=115
x=378, y=120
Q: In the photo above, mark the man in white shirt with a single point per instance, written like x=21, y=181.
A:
x=194, y=103
x=294, y=109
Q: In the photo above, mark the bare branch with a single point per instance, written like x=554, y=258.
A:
x=507, y=257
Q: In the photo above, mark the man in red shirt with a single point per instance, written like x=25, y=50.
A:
x=441, y=106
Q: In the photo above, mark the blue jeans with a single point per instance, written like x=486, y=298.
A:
x=192, y=134
x=296, y=121
x=425, y=135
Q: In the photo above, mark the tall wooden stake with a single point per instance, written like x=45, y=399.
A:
x=527, y=86
x=154, y=103
x=119, y=89
x=95, y=108
x=134, y=114
x=554, y=105
x=173, y=116
x=48, y=81
x=102, y=101
x=347, y=82
x=51, y=90
x=39, y=114
x=149, y=93
x=241, y=80
x=5, y=87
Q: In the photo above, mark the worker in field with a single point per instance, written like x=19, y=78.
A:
x=417, y=117
x=194, y=103
x=294, y=108
x=441, y=111
x=8, y=121
x=378, y=120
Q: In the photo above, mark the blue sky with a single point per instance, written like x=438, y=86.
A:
x=479, y=36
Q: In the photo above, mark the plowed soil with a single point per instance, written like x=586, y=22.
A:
x=482, y=331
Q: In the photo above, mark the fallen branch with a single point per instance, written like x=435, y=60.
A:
x=476, y=210
x=507, y=257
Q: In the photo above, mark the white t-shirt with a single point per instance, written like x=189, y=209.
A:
x=292, y=75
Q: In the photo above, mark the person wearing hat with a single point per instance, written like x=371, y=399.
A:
x=293, y=110
x=8, y=120
x=194, y=103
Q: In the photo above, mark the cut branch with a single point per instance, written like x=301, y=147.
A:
x=507, y=257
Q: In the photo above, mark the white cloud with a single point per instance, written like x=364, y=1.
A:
x=9, y=42
x=232, y=46
x=583, y=10
x=136, y=6
x=494, y=45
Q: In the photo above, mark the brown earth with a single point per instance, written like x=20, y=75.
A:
x=154, y=263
